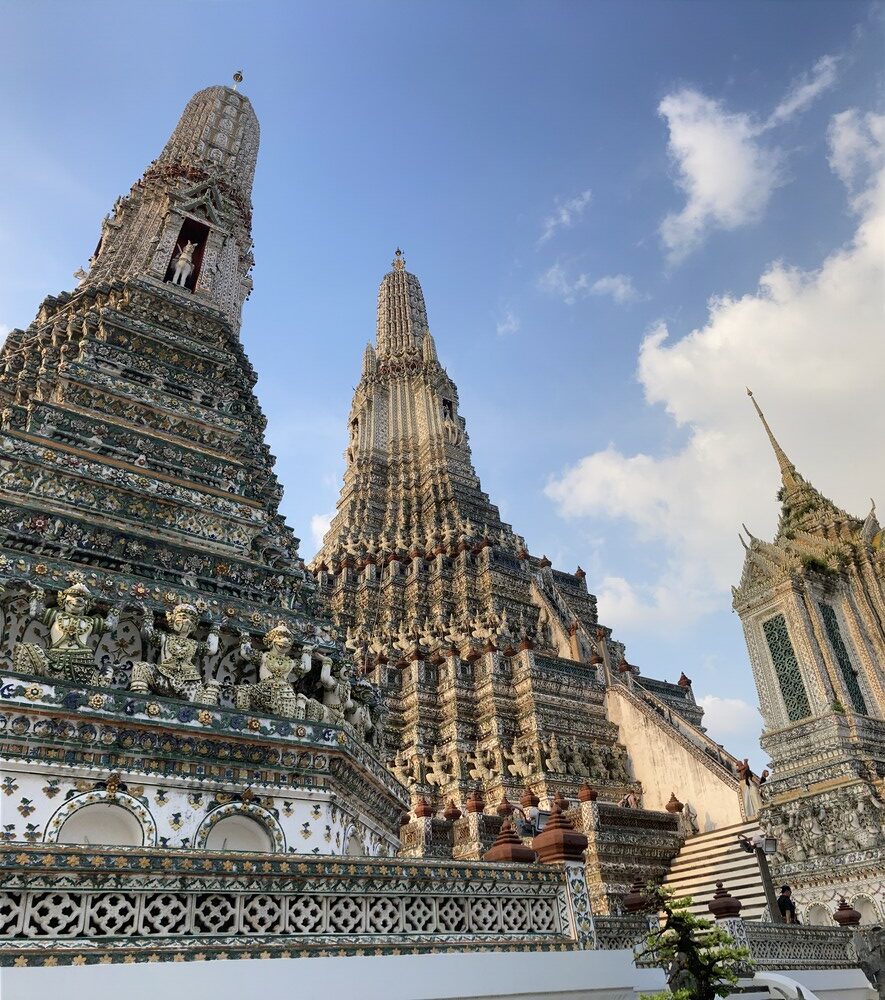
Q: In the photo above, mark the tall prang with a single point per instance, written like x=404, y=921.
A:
x=495, y=668
x=812, y=606
x=149, y=577
x=133, y=385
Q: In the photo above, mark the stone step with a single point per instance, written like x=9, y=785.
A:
x=716, y=856
x=715, y=839
x=712, y=863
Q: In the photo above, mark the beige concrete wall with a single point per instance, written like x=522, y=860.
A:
x=664, y=765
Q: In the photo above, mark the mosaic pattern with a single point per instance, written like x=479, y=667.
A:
x=786, y=668
x=214, y=905
x=842, y=658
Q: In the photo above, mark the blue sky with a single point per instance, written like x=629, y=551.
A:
x=621, y=213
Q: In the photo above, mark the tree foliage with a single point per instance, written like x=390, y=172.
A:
x=699, y=957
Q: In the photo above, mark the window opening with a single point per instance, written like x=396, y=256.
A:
x=786, y=668
x=831, y=625
x=187, y=257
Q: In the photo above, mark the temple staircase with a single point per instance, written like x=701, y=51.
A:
x=708, y=858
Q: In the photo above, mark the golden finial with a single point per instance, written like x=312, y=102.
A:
x=238, y=78
x=399, y=262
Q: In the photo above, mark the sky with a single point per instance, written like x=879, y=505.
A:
x=621, y=214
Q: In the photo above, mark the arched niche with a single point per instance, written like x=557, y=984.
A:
x=819, y=916
x=354, y=846
x=103, y=823
x=867, y=909
x=240, y=826
x=239, y=833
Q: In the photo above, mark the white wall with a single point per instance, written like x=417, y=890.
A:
x=664, y=766
x=576, y=975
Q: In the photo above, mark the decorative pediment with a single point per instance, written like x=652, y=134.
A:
x=206, y=201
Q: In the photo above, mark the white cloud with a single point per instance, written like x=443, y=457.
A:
x=508, y=324
x=727, y=718
x=723, y=167
x=726, y=174
x=619, y=286
x=319, y=525
x=565, y=214
x=805, y=90
x=556, y=281
x=810, y=345
x=856, y=143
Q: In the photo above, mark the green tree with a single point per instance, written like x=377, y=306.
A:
x=699, y=957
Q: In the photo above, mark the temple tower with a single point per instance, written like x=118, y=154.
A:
x=134, y=386
x=812, y=605
x=133, y=468
x=494, y=666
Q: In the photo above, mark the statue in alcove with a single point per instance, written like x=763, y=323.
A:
x=277, y=673
x=184, y=263
x=176, y=673
x=69, y=655
x=337, y=701
x=366, y=711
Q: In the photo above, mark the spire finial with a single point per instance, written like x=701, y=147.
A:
x=399, y=262
x=238, y=78
x=789, y=476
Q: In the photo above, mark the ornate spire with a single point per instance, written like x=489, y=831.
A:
x=402, y=315
x=790, y=478
x=218, y=132
x=802, y=506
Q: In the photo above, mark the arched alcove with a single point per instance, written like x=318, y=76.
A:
x=867, y=909
x=239, y=833
x=354, y=847
x=102, y=823
x=819, y=916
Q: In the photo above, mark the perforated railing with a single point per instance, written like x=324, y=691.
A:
x=67, y=904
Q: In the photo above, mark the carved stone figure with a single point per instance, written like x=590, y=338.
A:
x=520, y=766
x=337, y=692
x=176, y=673
x=402, y=769
x=69, y=656
x=184, y=263
x=619, y=763
x=364, y=715
x=437, y=774
x=552, y=761
x=274, y=691
x=575, y=763
x=481, y=765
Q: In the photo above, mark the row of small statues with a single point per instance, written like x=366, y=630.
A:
x=485, y=765
x=69, y=656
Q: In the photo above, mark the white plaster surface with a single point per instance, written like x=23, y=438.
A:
x=665, y=766
x=577, y=975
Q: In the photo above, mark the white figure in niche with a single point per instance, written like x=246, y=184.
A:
x=184, y=263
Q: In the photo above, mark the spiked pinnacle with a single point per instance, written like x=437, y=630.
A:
x=789, y=476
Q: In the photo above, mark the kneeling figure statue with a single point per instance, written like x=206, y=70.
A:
x=69, y=656
x=176, y=674
x=274, y=691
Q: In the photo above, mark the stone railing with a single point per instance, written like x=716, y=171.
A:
x=67, y=904
x=789, y=946
x=626, y=931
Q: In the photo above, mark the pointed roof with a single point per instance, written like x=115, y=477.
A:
x=812, y=531
x=804, y=508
